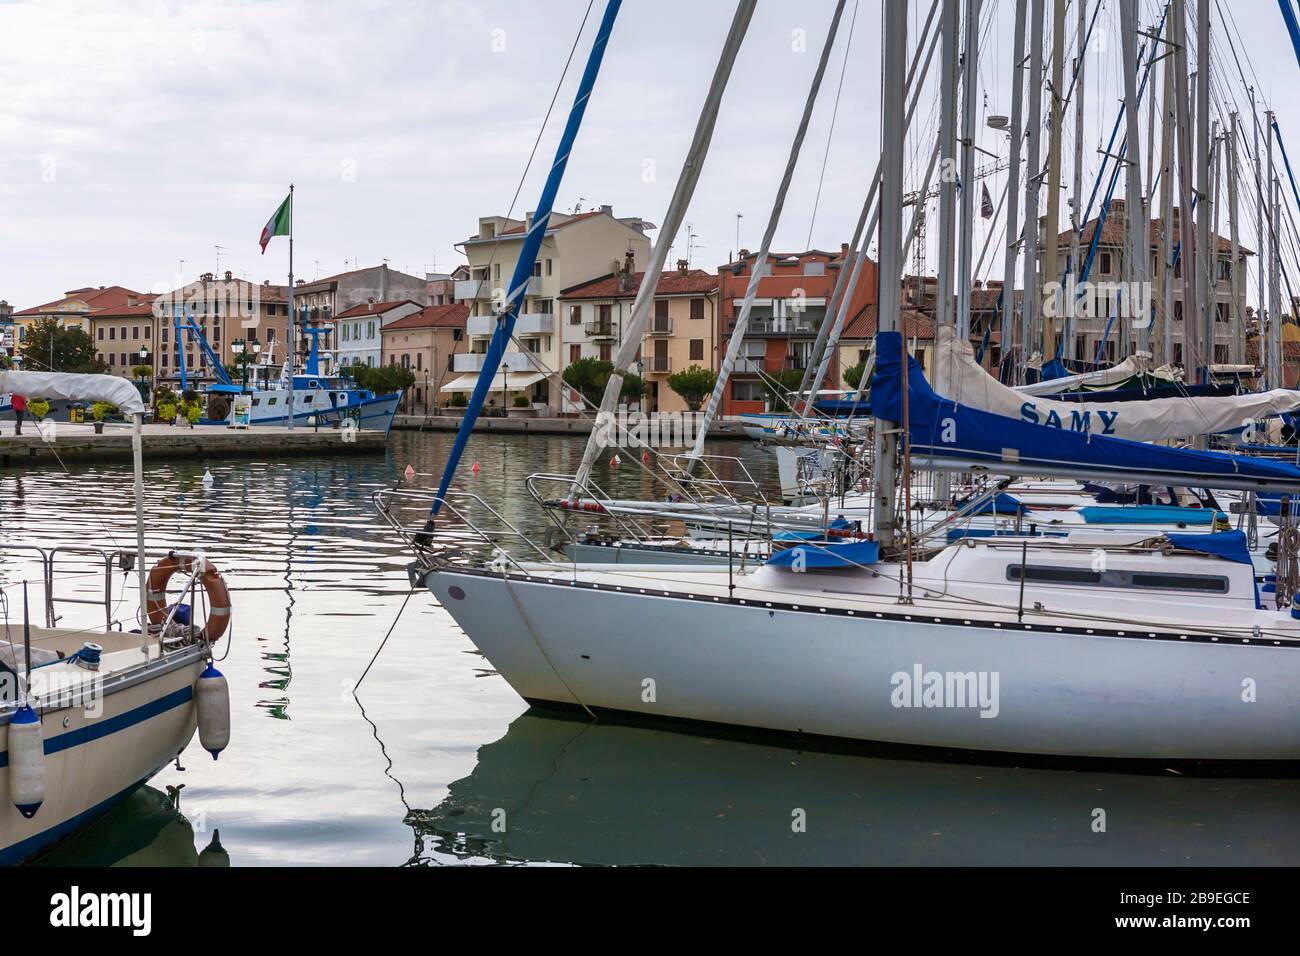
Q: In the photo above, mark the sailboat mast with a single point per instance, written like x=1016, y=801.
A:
x=760, y=266
x=951, y=41
x=890, y=247
x=1051, y=271
x=1164, y=272
x=1033, y=183
x=682, y=193
x=1205, y=255
x=1076, y=218
x=1139, y=239
x=969, y=84
x=1186, y=238
x=1011, y=316
x=1238, y=334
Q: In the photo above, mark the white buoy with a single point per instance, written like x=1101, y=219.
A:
x=409, y=474
x=212, y=696
x=208, y=480
x=26, y=761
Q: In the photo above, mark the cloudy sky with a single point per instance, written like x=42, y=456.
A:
x=136, y=135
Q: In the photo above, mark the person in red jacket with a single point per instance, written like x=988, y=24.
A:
x=19, y=404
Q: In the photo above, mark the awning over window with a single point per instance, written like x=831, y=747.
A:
x=514, y=381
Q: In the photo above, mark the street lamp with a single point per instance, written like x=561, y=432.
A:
x=140, y=381
x=505, y=377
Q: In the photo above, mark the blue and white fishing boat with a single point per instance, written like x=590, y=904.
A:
x=314, y=399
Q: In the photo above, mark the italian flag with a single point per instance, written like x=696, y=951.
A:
x=279, y=224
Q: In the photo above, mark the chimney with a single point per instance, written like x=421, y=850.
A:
x=296, y=282
x=607, y=210
x=681, y=267
x=744, y=253
x=229, y=275
x=383, y=282
x=844, y=250
x=370, y=303
x=625, y=273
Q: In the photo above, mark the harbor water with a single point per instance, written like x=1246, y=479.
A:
x=434, y=760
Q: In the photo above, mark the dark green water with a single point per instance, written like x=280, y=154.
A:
x=443, y=765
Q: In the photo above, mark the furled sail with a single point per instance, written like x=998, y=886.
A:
x=953, y=436
x=958, y=376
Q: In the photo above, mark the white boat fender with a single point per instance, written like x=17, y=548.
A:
x=212, y=696
x=26, y=761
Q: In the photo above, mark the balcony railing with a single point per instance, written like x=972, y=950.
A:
x=748, y=365
x=529, y=323
x=659, y=364
x=599, y=329
x=463, y=362
x=660, y=326
x=473, y=289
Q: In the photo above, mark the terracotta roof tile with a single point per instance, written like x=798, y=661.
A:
x=432, y=317
x=693, y=282
x=373, y=308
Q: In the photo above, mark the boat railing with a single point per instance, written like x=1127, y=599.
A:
x=557, y=509
x=110, y=560
x=680, y=469
x=434, y=540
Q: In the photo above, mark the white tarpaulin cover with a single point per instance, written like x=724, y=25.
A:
x=1106, y=376
x=956, y=375
x=74, y=388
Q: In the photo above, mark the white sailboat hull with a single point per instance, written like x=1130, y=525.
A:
x=92, y=761
x=833, y=672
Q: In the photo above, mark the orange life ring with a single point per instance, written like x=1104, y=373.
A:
x=218, y=597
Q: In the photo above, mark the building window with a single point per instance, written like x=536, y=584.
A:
x=147, y=332
x=697, y=350
x=112, y=358
x=1104, y=268
x=112, y=332
x=606, y=351
x=575, y=353
x=745, y=390
x=661, y=310
x=606, y=313
x=548, y=266
x=697, y=308
x=575, y=315
x=100, y=336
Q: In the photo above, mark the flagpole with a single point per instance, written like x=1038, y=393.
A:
x=289, y=346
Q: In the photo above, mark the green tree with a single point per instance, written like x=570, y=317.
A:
x=779, y=385
x=382, y=379
x=588, y=377
x=73, y=350
x=694, y=385
x=853, y=376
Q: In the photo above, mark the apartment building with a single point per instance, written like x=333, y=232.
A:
x=681, y=332
x=1088, y=339
x=6, y=328
x=321, y=300
x=793, y=293
x=440, y=287
x=426, y=342
x=226, y=310
x=360, y=330
x=126, y=336
x=576, y=248
x=74, y=310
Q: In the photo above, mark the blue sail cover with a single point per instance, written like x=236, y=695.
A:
x=827, y=557
x=946, y=434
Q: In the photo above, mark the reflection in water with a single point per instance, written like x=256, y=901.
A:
x=145, y=829
x=572, y=791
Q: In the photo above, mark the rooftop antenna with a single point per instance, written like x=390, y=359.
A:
x=739, y=216
x=218, y=248
x=577, y=207
x=317, y=261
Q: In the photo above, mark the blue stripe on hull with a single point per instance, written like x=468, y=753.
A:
x=24, y=849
